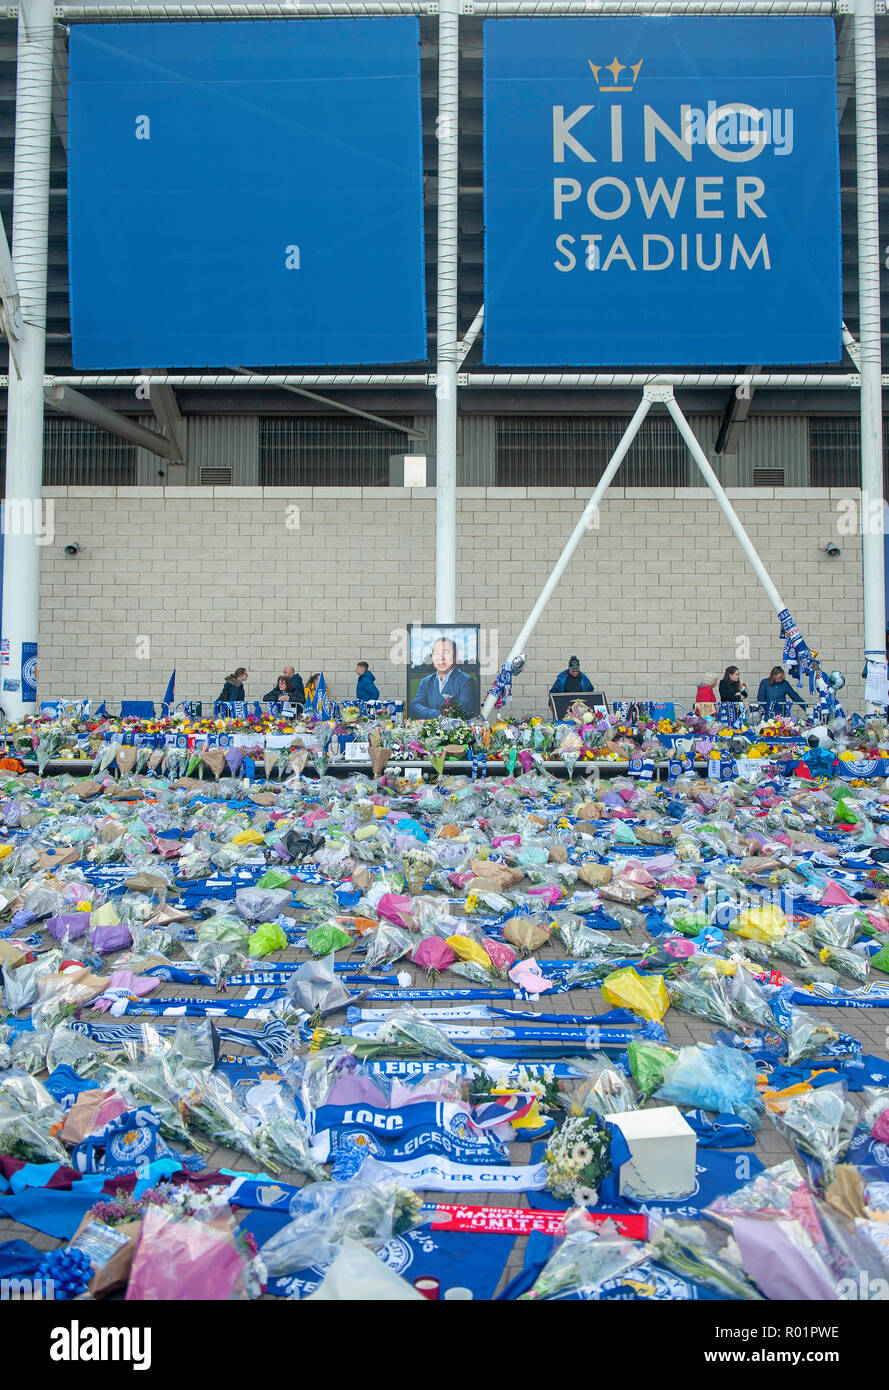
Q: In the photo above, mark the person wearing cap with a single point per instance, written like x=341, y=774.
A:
x=572, y=680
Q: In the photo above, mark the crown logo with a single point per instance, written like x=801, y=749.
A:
x=615, y=68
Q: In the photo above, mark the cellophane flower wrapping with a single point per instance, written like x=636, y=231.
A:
x=182, y=1257
x=371, y=1207
x=820, y=1123
x=387, y=944
x=717, y=1078
x=584, y=1261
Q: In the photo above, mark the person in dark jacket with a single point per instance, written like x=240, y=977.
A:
x=297, y=690
x=233, y=689
x=366, y=688
x=775, y=687
x=281, y=695
x=731, y=687
x=572, y=680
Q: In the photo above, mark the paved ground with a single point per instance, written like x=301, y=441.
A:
x=870, y=1025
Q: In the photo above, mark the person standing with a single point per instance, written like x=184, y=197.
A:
x=731, y=687
x=233, y=689
x=297, y=690
x=572, y=680
x=366, y=688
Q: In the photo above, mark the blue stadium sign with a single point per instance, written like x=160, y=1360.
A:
x=246, y=194
x=661, y=191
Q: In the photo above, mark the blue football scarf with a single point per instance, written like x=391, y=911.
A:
x=766, y=1048
x=114, y=1034
x=590, y=1020
x=720, y=1131
x=275, y=1039
x=444, y=1175
x=197, y=1008
x=381, y=996
x=872, y=995
x=482, y=1011
x=427, y=1128
x=716, y=1175
x=522, y=1052
x=455, y=1259
x=599, y=1038
x=402, y=1067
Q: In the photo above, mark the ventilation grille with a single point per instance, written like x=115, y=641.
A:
x=768, y=477
x=336, y=450
x=216, y=477
x=574, y=451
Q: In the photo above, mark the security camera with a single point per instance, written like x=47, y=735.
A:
x=833, y=550
x=73, y=548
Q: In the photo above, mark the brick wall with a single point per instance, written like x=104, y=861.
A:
x=216, y=578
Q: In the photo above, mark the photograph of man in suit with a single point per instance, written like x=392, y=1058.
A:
x=446, y=682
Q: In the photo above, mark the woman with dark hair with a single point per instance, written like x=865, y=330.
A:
x=282, y=693
x=233, y=689
x=730, y=687
x=775, y=687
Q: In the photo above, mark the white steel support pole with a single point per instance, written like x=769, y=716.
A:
x=580, y=530
x=24, y=434
x=869, y=330
x=446, y=354
x=725, y=505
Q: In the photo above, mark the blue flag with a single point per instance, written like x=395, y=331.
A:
x=168, y=698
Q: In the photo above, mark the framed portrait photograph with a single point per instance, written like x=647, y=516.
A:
x=443, y=676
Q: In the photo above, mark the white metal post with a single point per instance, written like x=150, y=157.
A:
x=446, y=352
x=869, y=329
x=588, y=513
x=24, y=433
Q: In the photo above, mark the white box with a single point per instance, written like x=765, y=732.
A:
x=663, y=1148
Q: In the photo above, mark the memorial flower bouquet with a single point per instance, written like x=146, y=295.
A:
x=577, y=1158
x=586, y=1260
x=190, y=1247
x=123, y=1208
x=211, y=1108
x=22, y=1137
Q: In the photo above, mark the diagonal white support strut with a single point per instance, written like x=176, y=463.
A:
x=575, y=538
x=663, y=395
